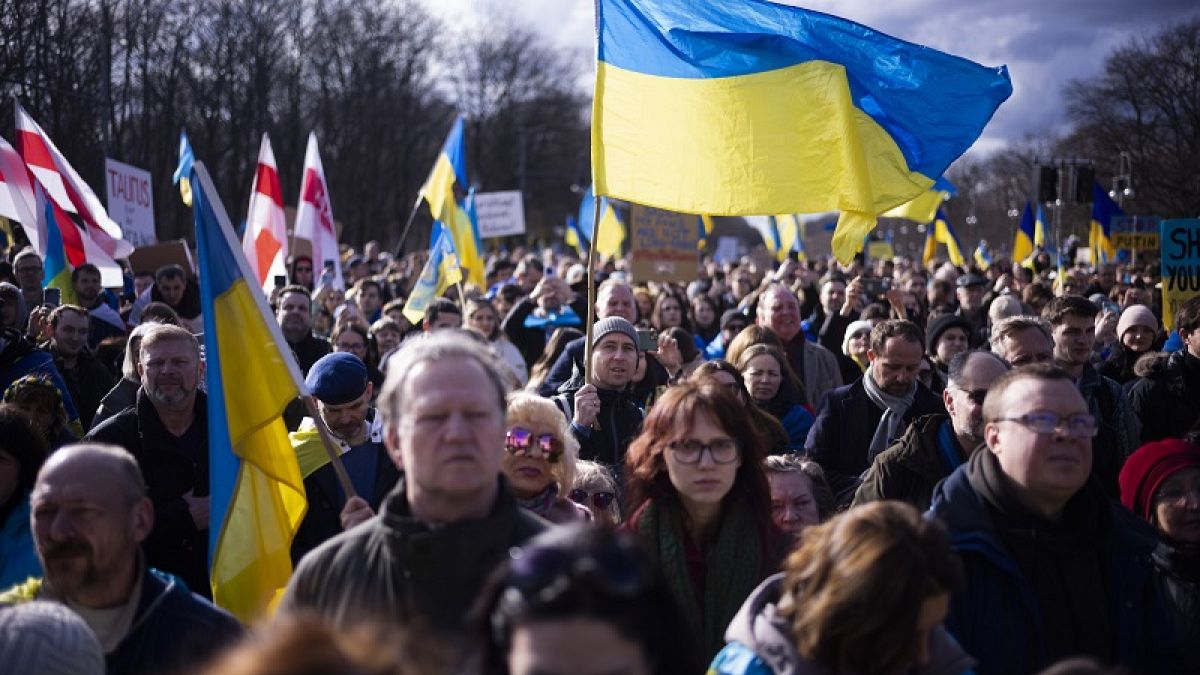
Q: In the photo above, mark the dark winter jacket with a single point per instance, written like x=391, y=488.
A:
x=173, y=630
x=1163, y=400
x=396, y=568
x=170, y=471
x=88, y=382
x=909, y=470
x=997, y=616
x=619, y=421
x=841, y=435
x=1178, y=568
x=570, y=362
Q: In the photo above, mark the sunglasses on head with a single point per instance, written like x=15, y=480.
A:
x=600, y=500
x=520, y=441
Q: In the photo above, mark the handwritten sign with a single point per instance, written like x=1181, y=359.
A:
x=1180, y=265
x=663, y=244
x=1136, y=241
x=130, y=201
x=500, y=214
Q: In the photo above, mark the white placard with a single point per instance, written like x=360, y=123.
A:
x=130, y=201
x=500, y=214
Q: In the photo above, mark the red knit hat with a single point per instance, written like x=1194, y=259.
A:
x=1153, y=463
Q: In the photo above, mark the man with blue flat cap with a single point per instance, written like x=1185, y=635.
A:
x=340, y=383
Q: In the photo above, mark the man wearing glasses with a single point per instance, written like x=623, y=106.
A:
x=1054, y=569
x=936, y=444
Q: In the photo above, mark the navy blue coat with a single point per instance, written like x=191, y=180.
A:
x=840, y=438
x=996, y=618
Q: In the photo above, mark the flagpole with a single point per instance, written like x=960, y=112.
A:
x=591, y=285
x=335, y=458
x=408, y=225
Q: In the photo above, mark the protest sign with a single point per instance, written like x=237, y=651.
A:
x=150, y=258
x=500, y=214
x=1180, y=265
x=130, y=201
x=663, y=244
x=1135, y=233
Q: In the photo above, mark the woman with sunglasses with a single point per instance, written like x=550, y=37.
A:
x=1160, y=482
x=580, y=600
x=540, y=456
x=701, y=506
x=596, y=489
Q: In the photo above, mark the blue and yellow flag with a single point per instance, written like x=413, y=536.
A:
x=1023, y=241
x=742, y=108
x=983, y=256
x=923, y=208
x=612, y=230
x=258, y=495
x=441, y=271
x=1100, y=233
x=57, y=264
x=183, y=172
x=942, y=232
x=704, y=229
x=1041, y=229
x=450, y=173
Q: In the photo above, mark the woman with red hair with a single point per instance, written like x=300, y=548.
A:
x=700, y=505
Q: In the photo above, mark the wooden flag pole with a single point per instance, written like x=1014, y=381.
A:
x=331, y=446
x=591, y=285
x=412, y=215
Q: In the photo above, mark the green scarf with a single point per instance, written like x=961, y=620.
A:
x=733, y=568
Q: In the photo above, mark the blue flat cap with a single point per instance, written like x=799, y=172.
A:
x=337, y=378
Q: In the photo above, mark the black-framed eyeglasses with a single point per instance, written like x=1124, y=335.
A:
x=600, y=500
x=520, y=441
x=690, y=451
x=976, y=395
x=1046, y=422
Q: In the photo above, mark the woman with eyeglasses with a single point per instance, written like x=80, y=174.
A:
x=1160, y=482
x=864, y=593
x=774, y=388
x=700, y=505
x=540, y=456
x=580, y=600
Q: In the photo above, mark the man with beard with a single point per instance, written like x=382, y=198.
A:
x=103, y=320
x=166, y=430
x=860, y=420
x=343, y=391
x=936, y=444
x=90, y=513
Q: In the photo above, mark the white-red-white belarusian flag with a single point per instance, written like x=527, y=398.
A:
x=17, y=200
x=97, y=239
x=265, y=242
x=314, y=215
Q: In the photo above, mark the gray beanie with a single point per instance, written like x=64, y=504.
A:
x=47, y=638
x=613, y=324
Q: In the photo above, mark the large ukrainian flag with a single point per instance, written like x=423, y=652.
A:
x=923, y=208
x=1100, y=233
x=450, y=171
x=258, y=495
x=743, y=108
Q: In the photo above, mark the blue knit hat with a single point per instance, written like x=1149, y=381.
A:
x=337, y=378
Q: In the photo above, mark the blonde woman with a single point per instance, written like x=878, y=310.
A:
x=539, y=459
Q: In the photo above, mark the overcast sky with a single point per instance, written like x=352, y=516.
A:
x=1045, y=43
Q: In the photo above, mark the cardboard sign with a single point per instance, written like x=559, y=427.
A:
x=1180, y=265
x=1136, y=241
x=663, y=245
x=500, y=214
x=130, y=201
x=150, y=258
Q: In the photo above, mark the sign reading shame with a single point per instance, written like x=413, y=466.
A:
x=1180, y=265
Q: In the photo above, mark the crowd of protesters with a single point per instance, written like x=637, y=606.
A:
x=775, y=467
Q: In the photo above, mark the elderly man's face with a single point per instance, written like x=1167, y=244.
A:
x=449, y=438
x=1025, y=347
x=170, y=371
x=779, y=310
x=616, y=300
x=86, y=528
x=964, y=398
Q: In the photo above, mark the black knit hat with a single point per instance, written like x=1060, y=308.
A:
x=941, y=324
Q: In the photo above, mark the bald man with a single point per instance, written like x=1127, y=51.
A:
x=90, y=515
